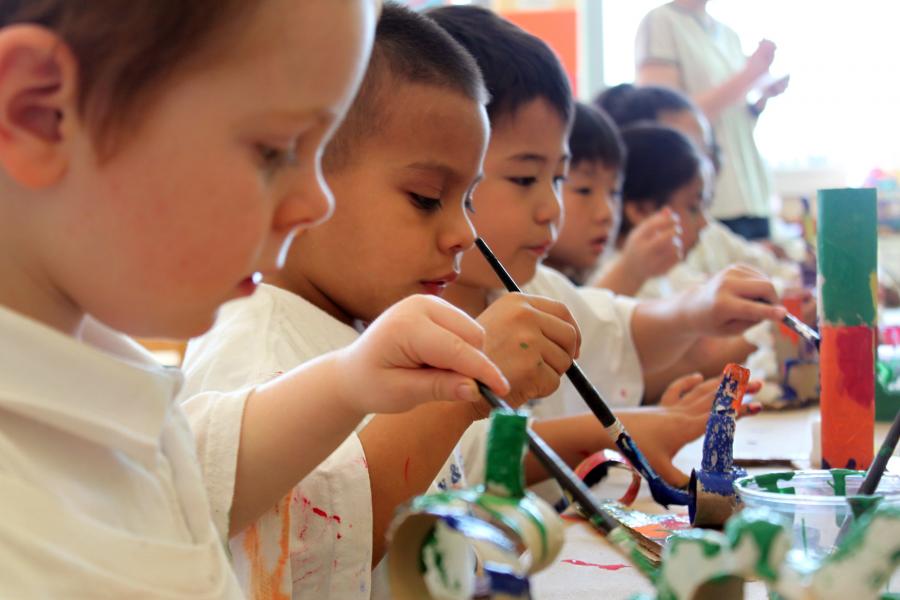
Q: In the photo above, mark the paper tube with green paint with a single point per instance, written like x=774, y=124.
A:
x=487, y=539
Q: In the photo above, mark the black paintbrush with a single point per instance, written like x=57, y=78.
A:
x=802, y=329
x=873, y=476
x=661, y=491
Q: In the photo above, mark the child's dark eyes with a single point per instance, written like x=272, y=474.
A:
x=424, y=202
x=523, y=181
x=584, y=191
x=274, y=158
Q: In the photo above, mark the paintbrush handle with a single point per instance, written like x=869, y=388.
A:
x=802, y=329
x=584, y=387
x=558, y=469
x=873, y=475
x=660, y=490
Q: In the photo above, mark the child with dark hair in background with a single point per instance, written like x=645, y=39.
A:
x=717, y=246
x=591, y=209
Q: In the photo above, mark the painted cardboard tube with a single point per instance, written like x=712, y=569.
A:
x=713, y=500
x=847, y=285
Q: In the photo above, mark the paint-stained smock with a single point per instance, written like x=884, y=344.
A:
x=317, y=542
x=100, y=492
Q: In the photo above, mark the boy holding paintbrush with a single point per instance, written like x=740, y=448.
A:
x=402, y=168
x=518, y=211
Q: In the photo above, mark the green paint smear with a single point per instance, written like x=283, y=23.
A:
x=848, y=255
x=857, y=534
x=769, y=482
x=708, y=546
x=860, y=505
x=524, y=505
x=506, y=446
x=839, y=479
x=763, y=527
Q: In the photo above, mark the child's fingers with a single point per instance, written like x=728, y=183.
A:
x=437, y=343
x=678, y=388
x=439, y=385
x=700, y=399
x=557, y=323
x=452, y=319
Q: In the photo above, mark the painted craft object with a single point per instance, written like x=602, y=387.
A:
x=701, y=564
x=713, y=499
x=847, y=255
x=483, y=541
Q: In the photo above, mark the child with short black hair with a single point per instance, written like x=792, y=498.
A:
x=591, y=207
x=402, y=167
x=516, y=212
x=141, y=187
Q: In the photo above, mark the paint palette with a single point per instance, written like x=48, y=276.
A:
x=814, y=501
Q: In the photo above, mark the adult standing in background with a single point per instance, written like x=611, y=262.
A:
x=680, y=45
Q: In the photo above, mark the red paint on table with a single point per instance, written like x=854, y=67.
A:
x=581, y=563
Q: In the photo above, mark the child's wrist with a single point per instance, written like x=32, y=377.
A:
x=333, y=370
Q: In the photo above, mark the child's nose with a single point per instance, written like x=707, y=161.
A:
x=307, y=201
x=549, y=207
x=460, y=235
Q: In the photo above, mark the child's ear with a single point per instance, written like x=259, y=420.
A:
x=38, y=104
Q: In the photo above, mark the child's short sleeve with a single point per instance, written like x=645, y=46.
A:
x=655, y=40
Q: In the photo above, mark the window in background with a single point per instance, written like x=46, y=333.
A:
x=842, y=109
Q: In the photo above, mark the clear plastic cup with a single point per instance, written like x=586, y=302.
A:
x=814, y=501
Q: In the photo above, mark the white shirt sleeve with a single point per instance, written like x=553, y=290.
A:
x=318, y=540
x=608, y=358
x=655, y=40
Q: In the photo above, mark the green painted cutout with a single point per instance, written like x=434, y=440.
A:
x=506, y=446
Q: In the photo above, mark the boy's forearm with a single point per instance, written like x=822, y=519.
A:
x=405, y=453
x=618, y=278
x=576, y=438
x=661, y=333
x=290, y=425
x=707, y=356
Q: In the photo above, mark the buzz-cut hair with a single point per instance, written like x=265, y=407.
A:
x=409, y=47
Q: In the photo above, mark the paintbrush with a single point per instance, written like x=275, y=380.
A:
x=873, y=476
x=661, y=491
x=802, y=329
x=566, y=478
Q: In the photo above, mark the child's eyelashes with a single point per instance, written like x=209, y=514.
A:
x=523, y=181
x=584, y=191
x=424, y=202
x=273, y=158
